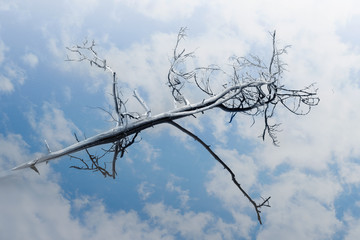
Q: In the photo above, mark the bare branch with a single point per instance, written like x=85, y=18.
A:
x=143, y=104
x=47, y=146
x=227, y=168
x=86, y=52
x=177, y=75
x=116, y=104
x=253, y=88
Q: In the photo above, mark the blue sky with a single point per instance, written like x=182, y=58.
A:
x=168, y=187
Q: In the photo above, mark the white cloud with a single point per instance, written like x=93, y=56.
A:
x=32, y=205
x=78, y=11
x=140, y=68
x=353, y=230
x=145, y=190
x=348, y=171
x=16, y=73
x=165, y=10
x=81, y=202
x=183, y=195
x=150, y=151
x=11, y=74
x=196, y=225
x=302, y=207
x=189, y=225
x=31, y=59
x=11, y=150
x=126, y=225
x=32, y=216
x=41, y=211
x=5, y=84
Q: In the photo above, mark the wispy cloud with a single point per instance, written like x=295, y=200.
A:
x=11, y=74
x=53, y=126
x=183, y=195
x=145, y=190
x=31, y=59
x=166, y=10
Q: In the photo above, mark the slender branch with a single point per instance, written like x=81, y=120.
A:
x=142, y=102
x=115, y=96
x=217, y=158
x=116, y=152
x=47, y=146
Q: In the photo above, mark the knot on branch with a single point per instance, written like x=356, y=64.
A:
x=264, y=203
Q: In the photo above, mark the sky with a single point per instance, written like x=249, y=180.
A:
x=168, y=187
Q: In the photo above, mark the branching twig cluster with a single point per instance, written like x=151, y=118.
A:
x=118, y=148
x=86, y=52
x=177, y=74
x=262, y=93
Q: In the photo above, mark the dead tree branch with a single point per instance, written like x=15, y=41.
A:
x=253, y=88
